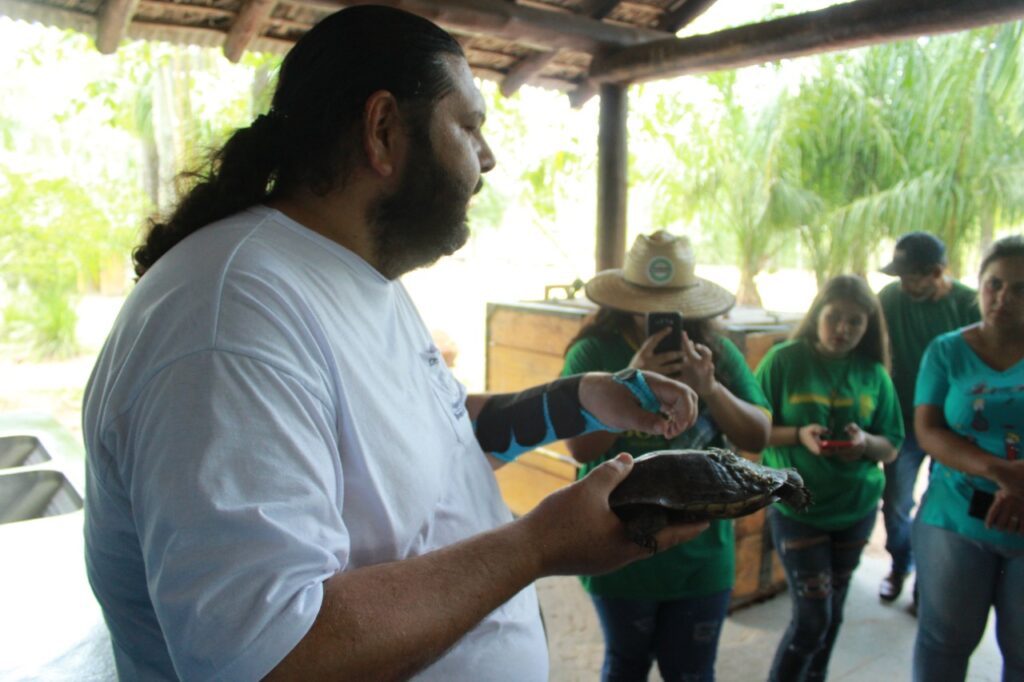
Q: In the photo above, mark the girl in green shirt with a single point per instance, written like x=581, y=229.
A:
x=669, y=607
x=835, y=418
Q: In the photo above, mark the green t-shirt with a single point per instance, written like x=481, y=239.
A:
x=912, y=326
x=703, y=566
x=805, y=387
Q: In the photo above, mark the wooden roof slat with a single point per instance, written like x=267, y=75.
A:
x=841, y=27
x=112, y=24
x=521, y=73
x=247, y=26
x=529, y=66
x=543, y=29
x=683, y=13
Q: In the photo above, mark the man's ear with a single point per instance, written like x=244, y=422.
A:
x=382, y=132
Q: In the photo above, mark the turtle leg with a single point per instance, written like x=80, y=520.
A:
x=645, y=522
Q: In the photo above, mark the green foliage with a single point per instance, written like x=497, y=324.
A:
x=77, y=181
x=917, y=135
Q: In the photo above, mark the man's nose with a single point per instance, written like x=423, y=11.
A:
x=487, y=160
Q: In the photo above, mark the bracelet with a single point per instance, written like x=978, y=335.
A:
x=637, y=385
x=798, y=441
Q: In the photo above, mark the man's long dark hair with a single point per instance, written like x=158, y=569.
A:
x=311, y=137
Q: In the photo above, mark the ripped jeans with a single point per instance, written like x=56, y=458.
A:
x=819, y=565
x=681, y=634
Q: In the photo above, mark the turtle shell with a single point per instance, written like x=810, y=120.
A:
x=670, y=486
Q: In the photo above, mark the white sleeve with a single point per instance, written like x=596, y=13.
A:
x=236, y=492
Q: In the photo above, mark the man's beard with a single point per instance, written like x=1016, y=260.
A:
x=422, y=220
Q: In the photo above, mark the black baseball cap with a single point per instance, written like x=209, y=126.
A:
x=916, y=252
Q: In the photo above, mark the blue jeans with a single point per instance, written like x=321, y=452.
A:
x=959, y=580
x=898, y=501
x=819, y=564
x=681, y=634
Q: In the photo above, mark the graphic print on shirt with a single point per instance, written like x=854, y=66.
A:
x=1012, y=443
x=979, y=423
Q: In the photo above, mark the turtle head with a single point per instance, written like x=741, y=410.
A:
x=793, y=492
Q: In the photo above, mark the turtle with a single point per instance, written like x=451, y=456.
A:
x=673, y=486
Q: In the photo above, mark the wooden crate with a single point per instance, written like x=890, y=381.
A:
x=526, y=345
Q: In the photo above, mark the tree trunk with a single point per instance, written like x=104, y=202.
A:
x=747, y=293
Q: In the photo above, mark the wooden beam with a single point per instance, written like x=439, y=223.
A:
x=520, y=74
x=524, y=70
x=112, y=26
x=247, y=26
x=544, y=30
x=683, y=14
x=597, y=9
x=612, y=167
x=841, y=27
x=582, y=94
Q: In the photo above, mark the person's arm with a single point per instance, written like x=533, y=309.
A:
x=389, y=621
x=807, y=435
x=864, y=445
x=509, y=424
x=956, y=452
x=743, y=423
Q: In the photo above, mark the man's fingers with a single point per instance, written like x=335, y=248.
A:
x=672, y=535
x=611, y=473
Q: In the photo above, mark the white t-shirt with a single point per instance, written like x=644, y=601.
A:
x=269, y=410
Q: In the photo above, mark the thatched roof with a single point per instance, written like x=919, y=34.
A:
x=572, y=45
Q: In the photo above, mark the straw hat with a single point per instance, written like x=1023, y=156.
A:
x=658, y=277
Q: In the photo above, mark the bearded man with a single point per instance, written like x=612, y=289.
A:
x=283, y=478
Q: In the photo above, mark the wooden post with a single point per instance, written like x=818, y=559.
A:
x=612, y=168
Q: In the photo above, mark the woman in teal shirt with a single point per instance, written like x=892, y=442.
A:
x=835, y=418
x=671, y=606
x=969, y=417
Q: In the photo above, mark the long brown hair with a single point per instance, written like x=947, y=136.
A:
x=874, y=345
x=608, y=323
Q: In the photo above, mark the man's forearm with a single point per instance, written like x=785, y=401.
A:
x=388, y=621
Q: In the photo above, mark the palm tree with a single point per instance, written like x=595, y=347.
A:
x=922, y=135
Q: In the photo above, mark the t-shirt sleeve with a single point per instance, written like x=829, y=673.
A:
x=933, y=375
x=585, y=356
x=767, y=376
x=740, y=379
x=887, y=419
x=238, y=511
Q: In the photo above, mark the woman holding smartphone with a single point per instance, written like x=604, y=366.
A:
x=670, y=607
x=835, y=419
x=968, y=535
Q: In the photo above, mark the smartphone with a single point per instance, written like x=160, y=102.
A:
x=980, y=502
x=836, y=444
x=658, y=321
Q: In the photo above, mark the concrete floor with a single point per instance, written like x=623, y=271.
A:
x=874, y=645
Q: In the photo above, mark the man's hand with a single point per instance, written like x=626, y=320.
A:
x=575, y=532
x=615, y=405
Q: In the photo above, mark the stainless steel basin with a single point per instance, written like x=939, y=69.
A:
x=35, y=494
x=17, y=451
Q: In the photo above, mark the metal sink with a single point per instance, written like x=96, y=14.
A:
x=35, y=494
x=18, y=451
